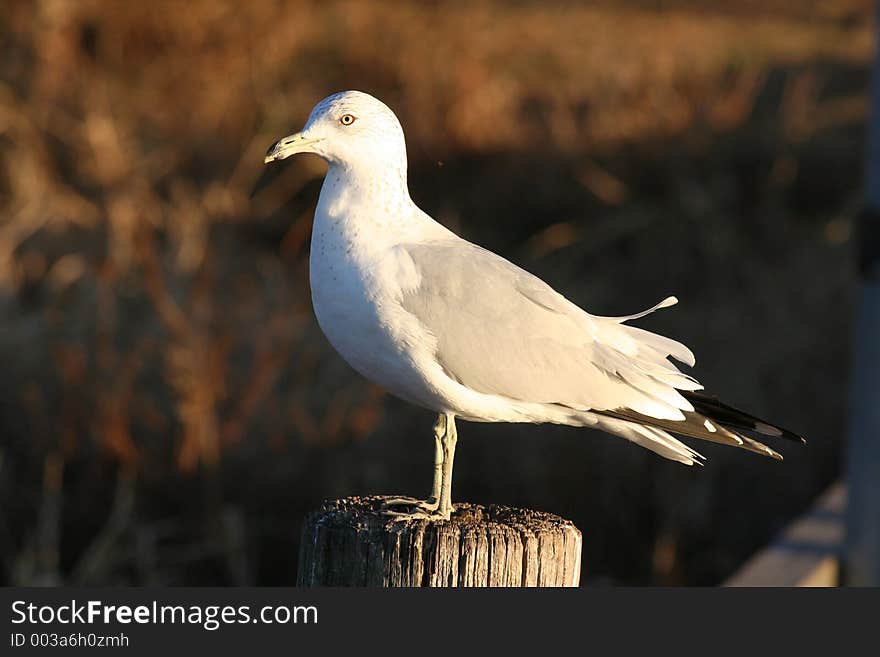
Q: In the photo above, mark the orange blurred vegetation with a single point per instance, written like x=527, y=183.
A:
x=156, y=273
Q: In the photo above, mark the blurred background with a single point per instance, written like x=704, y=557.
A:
x=169, y=409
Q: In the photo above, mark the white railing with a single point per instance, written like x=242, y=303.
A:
x=806, y=553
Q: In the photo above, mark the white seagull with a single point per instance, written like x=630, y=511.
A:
x=459, y=330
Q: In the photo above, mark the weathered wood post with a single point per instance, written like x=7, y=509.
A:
x=349, y=542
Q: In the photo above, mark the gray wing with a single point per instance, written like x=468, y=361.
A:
x=501, y=330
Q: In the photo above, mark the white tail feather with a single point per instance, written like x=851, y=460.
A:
x=666, y=303
x=658, y=441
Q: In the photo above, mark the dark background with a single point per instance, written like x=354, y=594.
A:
x=169, y=409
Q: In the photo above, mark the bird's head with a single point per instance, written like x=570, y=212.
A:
x=349, y=128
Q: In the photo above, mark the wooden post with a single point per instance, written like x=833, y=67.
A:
x=350, y=543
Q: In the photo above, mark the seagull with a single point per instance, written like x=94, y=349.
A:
x=452, y=327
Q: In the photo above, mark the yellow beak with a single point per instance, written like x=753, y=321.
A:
x=290, y=145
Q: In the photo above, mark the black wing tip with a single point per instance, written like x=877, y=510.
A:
x=794, y=437
x=774, y=431
x=727, y=415
x=797, y=438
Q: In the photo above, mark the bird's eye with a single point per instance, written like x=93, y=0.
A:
x=347, y=119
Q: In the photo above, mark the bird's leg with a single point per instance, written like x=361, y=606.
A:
x=439, y=432
x=425, y=508
x=450, y=438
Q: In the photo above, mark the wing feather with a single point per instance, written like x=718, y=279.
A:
x=500, y=330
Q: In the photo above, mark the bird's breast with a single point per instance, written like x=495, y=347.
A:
x=356, y=282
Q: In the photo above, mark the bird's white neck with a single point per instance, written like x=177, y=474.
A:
x=350, y=190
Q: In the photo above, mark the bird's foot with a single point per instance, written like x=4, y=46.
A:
x=414, y=509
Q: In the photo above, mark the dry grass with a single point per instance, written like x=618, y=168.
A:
x=152, y=276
